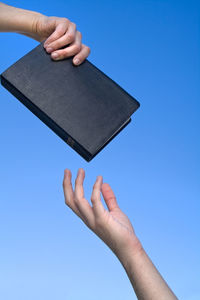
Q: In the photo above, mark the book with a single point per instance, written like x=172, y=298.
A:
x=81, y=104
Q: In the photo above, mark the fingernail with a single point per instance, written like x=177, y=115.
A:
x=55, y=55
x=76, y=61
x=49, y=50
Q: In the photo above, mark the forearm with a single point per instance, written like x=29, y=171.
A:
x=115, y=229
x=17, y=20
x=147, y=282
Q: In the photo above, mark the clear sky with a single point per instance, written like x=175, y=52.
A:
x=152, y=49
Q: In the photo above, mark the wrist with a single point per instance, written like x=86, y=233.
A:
x=26, y=22
x=130, y=253
x=18, y=20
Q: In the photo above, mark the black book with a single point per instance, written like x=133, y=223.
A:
x=80, y=104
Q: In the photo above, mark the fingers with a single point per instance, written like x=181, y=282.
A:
x=64, y=40
x=60, y=30
x=109, y=197
x=77, y=202
x=69, y=193
x=69, y=51
x=96, y=198
x=65, y=34
x=79, y=191
x=82, y=204
x=82, y=55
x=75, y=199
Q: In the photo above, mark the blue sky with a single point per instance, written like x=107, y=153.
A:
x=152, y=49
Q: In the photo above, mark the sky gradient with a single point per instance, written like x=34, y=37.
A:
x=151, y=49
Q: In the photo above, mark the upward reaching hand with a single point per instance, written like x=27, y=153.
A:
x=111, y=225
x=115, y=229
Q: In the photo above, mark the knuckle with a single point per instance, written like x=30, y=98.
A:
x=76, y=181
x=74, y=25
x=88, y=49
x=95, y=188
x=58, y=33
x=99, y=222
x=55, y=45
x=80, y=34
x=70, y=36
x=65, y=20
x=66, y=201
x=64, y=183
x=77, y=200
x=77, y=48
x=93, y=199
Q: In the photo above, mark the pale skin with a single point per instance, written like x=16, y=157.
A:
x=56, y=32
x=114, y=228
x=111, y=225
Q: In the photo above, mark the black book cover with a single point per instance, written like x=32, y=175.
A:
x=80, y=104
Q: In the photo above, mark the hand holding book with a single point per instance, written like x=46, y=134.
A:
x=58, y=32
x=112, y=225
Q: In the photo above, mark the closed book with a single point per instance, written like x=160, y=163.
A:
x=81, y=104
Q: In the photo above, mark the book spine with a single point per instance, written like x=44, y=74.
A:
x=45, y=119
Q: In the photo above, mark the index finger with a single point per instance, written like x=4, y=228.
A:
x=59, y=31
x=69, y=193
x=82, y=204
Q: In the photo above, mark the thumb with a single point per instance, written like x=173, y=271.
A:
x=109, y=196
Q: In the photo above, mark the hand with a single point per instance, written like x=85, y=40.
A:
x=111, y=225
x=115, y=229
x=59, y=33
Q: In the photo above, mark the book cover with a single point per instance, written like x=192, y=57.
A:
x=81, y=104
